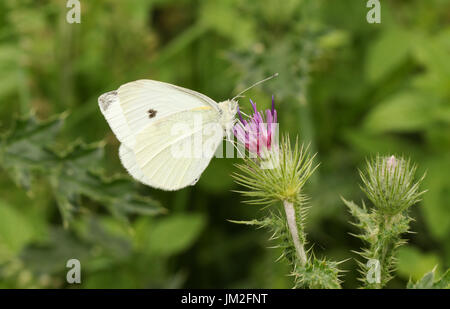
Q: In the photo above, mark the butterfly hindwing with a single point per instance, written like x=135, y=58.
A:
x=173, y=153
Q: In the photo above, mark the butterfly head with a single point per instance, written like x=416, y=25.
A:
x=228, y=110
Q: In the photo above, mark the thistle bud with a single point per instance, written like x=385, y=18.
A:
x=389, y=183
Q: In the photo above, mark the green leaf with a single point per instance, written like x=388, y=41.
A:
x=364, y=220
x=73, y=173
x=169, y=235
x=428, y=281
x=404, y=112
x=412, y=263
x=51, y=256
x=217, y=15
x=23, y=150
x=388, y=52
x=15, y=231
x=443, y=282
x=73, y=180
x=106, y=238
x=435, y=204
x=433, y=54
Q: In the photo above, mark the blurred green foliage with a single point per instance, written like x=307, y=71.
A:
x=349, y=88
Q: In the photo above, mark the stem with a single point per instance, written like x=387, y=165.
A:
x=383, y=250
x=292, y=223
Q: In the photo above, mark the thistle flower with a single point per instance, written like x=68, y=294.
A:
x=258, y=132
x=391, y=162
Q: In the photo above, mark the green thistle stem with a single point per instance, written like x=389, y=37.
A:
x=292, y=223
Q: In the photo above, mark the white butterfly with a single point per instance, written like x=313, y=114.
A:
x=152, y=118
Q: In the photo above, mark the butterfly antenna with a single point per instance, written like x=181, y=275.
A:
x=255, y=84
x=245, y=114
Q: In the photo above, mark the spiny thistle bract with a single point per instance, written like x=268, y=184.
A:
x=318, y=274
x=389, y=184
x=292, y=169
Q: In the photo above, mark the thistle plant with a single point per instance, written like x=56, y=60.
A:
x=389, y=184
x=274, y=176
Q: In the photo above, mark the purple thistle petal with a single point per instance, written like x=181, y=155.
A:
x=257, y=131
x=254, y=105
x=239, y=113
x=258, y=118
x=269, y=127
x=273, y=104
x=269, y=116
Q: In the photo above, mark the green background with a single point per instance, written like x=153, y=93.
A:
x=349, y=88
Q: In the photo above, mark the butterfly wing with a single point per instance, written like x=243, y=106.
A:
x=174, y=152
x=145, y=114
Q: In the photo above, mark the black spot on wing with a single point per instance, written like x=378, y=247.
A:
x=151, y=113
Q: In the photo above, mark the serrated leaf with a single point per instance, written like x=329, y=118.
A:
x=23, y=150
x=428, y=281
x=358, y=212
x=73, y=180
x=51, y=257
x=94, y=230
x=443, y=282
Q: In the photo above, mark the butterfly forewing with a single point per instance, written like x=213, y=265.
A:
x=142, y=99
